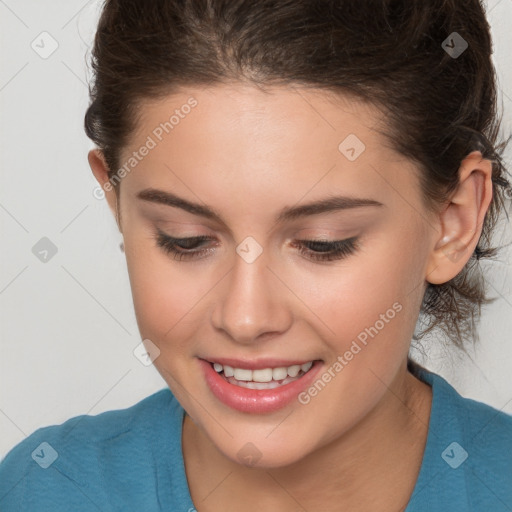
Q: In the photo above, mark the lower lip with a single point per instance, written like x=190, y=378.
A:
x=256, y=401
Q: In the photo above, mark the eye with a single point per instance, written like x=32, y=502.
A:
x=181, y=248
x=322, y=250
x=318, y=250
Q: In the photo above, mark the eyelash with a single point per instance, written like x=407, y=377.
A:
x=338, y=249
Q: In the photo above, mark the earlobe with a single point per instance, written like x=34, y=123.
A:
x=461, y=220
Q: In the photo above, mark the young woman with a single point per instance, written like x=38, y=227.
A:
x=296, y=184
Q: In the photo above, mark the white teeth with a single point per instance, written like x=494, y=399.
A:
x=243, y=374
x=306, y=366
x=279, y=373
x=228, y=371
x=263, y=375
x=259, y=385
x=294, y=370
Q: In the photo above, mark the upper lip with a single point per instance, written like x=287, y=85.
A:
x=259, y=364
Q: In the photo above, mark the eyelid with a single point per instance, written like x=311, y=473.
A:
x=336, y=249
x=340, y=249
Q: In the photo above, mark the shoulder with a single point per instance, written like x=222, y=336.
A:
x=69, y=464
x=472, y=419
x=472, y=449
x=487, y=435
x=478, y=422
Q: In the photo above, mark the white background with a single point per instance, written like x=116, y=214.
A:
x=68, y=328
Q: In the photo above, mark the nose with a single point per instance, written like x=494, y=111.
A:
x=251, y=302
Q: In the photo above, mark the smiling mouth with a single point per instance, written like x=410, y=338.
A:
x=268, y=378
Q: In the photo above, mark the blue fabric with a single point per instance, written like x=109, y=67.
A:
x=131, y=459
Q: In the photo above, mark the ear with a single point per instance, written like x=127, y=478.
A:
x=100, y=170
x=461, y=220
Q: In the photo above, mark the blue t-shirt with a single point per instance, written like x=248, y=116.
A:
x=131, y=459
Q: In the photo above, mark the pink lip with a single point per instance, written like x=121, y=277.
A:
x=256, y=365
x=257, y=401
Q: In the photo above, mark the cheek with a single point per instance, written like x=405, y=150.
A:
x=342, y=302
x=370, y=305
x=164, y=292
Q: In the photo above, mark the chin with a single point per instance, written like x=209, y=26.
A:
x=252, y=456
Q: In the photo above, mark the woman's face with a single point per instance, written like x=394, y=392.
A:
x=252, y=293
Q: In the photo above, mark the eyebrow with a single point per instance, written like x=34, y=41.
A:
x=329, y=204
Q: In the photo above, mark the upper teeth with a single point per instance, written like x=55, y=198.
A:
x=263, y=375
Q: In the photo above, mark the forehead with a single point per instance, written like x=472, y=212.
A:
x=247, y=142
x=276, y=115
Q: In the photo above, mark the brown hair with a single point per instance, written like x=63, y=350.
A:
x=438, y=107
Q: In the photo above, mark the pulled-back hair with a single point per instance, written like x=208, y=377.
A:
x=438, y=107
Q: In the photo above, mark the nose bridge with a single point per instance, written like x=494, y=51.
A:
x=250, y=303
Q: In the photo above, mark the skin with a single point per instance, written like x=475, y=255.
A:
x=359, y=443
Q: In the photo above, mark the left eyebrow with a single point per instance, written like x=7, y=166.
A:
x=329, y=204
